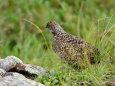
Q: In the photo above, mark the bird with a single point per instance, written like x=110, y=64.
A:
x=73, y=50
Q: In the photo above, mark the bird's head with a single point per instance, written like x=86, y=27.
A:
x=55, y=28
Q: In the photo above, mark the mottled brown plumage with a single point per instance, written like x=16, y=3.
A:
x=73, y=50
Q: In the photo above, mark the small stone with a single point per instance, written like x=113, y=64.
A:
x=9, y=63
x=30, y=70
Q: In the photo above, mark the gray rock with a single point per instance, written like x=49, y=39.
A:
x=31, y=69
x=2, y=72
x=18, y=80
x=14, y=73
x=9, y=62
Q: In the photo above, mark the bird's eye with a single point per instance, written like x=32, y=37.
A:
x=47, y=26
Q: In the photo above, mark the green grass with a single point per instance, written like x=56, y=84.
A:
x=93, y=20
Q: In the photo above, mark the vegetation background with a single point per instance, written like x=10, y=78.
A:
x=93, y=20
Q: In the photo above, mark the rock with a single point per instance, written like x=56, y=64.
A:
x=2, y=72
x=18, y=80
x=9, y=63
x=14, y=73
x=31, y=69
x=14, y=64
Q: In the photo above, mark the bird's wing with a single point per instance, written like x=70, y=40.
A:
x=79, y=49
x=72, y=46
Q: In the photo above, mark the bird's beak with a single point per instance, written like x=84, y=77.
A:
x=45, y=27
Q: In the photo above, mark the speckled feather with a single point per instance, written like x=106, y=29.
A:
x=71, y=49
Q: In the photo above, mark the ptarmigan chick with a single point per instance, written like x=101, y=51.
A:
x=71, y=49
